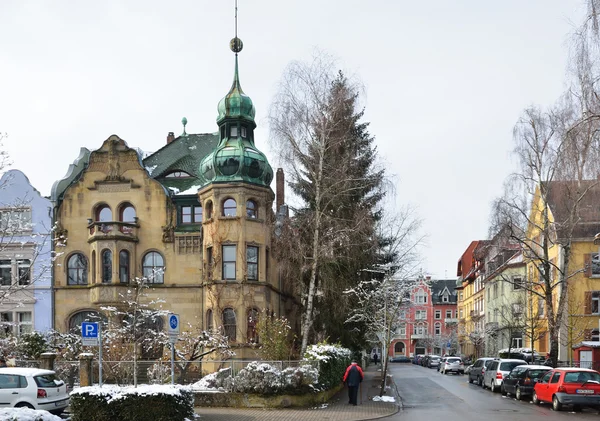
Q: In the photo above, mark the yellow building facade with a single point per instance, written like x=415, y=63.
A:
x=194, y=221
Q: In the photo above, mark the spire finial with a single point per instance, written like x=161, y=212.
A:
x=236, y=44
x=184, y=122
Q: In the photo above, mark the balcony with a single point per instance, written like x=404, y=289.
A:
x=419, y=336
x=115, y=230
x=492, y=325
x=450, y=320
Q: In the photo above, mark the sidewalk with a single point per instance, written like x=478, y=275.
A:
x=337, y=409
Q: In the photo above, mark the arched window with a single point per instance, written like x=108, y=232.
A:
x=127, y=214
x=229, y=207
x=153, y=267
x=77, y=270
x=229, y=324
x=251, y=209
x=209, y=210
x=106, y=266
x=399, y=348
x=251, y=330
x=178, y=174
x=124, y=266
x=209, y=320
x=438, y=328
x=103, y=214
x=84, y=316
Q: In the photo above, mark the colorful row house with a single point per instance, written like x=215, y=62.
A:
x=429, y=322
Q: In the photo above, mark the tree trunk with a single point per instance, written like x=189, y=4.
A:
x=308, y=313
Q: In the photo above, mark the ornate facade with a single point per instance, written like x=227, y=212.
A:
x=194, y=220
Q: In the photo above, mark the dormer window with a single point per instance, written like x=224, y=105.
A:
x=244, y=134
x=233, y=131
x=177, y=174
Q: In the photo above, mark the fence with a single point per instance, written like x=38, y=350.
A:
x=594, y=365
x=186, y=372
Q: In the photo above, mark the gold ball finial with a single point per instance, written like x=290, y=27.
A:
x=236, y=45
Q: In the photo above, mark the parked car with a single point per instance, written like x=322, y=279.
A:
x=521, y=379
x=417, y=359
x=453, y=365
x=577, y=387
x=32, y=388
x=400, y=359
x=433, y=361
x=478, y=369
x=497, y=370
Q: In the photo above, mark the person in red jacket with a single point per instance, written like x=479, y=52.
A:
x=353, y=377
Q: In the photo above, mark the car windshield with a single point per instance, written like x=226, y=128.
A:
x=508, y=366
x=581, y=377
x=534, y=374
x=48, y=380
x=453, y=360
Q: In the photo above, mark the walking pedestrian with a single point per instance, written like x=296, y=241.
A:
x=353, y=378
x=375, y=358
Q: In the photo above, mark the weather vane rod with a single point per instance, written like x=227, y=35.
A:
x=236, y=8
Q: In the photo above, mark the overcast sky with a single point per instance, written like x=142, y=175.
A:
x=445, y=82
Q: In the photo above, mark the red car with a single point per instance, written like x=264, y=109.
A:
x=568, y=386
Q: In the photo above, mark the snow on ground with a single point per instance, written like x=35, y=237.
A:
x=26, y=414
x=384, y=399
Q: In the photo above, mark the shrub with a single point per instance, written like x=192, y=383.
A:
x=263, y=379
x=333, y=360
x=157, y=403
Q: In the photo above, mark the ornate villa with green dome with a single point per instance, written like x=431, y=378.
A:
x=194, y=219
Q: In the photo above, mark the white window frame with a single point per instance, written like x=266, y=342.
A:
x=421, y=315
x=448, y=314
x=438, y=314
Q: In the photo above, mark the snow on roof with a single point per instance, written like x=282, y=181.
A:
x=591, y=344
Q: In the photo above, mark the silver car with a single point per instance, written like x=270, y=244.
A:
x=452, y=365
x=496, y=372
x=32, y=388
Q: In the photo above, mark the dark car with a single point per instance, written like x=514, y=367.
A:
x=400, y=359
x=521, y=379
x=478, y=370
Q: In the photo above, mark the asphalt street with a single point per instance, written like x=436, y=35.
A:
x=427, y=394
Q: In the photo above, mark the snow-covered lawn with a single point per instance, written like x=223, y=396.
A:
x=26, y=414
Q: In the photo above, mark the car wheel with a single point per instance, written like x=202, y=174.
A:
x=479, y=381
x=556, y=405
x=502, y=390
x=24, y=405
x=535, y=399
x=493, y=387
x=518, y=394
x=57, y=412
x=470, y=380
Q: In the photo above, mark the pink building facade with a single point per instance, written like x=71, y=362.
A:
x=428, y=324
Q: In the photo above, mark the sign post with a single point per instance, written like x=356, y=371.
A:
x=173, y=335
x=91, y=335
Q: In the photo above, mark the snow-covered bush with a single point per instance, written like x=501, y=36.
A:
x=147, y=402
x=213, y=381
x=263, y=379
x=26, y=414
x=333, y=360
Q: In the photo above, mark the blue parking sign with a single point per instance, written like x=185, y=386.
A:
x=89, y=334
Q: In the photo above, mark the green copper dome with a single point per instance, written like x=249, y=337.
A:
x=236, y=158
x=236, y=104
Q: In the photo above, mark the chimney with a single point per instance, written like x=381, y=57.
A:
x=170, y=137
x=279, y=189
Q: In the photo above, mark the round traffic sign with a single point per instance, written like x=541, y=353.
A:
x=173, y=321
